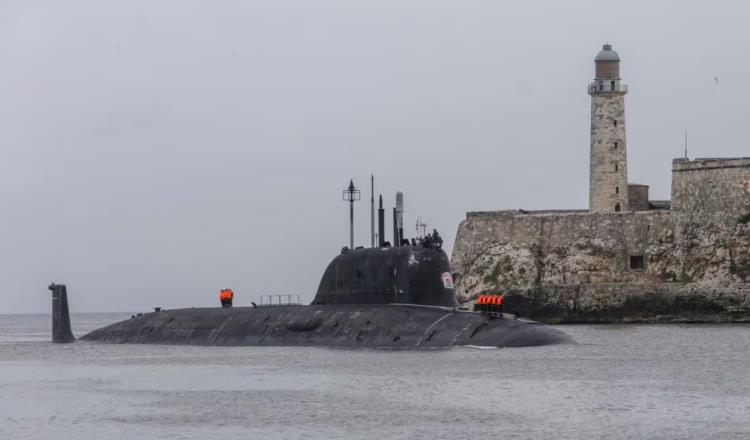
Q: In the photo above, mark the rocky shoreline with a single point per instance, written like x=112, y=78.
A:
x=631, y=303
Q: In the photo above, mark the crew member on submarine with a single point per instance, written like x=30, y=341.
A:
x=226, y=296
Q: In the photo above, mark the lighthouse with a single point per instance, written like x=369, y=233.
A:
x=608, y=186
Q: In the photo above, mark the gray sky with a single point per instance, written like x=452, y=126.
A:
x=154, y=152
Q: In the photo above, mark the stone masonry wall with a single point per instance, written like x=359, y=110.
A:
x=504, y=249
x=576, y=266
x=711, y=190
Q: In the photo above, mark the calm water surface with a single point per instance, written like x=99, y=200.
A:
x=671, y=382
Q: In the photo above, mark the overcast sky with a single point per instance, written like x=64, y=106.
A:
x=154, y=152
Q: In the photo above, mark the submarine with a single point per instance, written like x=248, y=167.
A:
x=399, y=297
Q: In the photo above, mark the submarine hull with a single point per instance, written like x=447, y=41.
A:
x=395, y=326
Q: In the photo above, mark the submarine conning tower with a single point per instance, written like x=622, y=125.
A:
x=417, y=274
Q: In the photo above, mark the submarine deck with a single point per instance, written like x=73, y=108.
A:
x=396, y=326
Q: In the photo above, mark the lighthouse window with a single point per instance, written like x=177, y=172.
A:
x=617, y=207
x=617, y=190
x=615, y=122
x=615, y=142
x=617, y=167
x=612, y=85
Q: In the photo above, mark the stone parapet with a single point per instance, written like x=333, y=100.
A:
x=680, y=164
x=514, y=212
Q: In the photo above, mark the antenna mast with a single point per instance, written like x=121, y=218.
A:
x=372, y=210
x=399, y=218
x=351, y=195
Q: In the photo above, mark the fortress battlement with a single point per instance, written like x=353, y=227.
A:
x=524, y=212
x=709, y=163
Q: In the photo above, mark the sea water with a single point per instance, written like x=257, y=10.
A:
x=617, y=381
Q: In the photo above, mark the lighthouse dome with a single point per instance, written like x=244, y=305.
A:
x=607, y=63
x=607, y=54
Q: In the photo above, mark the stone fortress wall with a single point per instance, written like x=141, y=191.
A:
x=710, y=190
x=684, y=260
x=688, y=263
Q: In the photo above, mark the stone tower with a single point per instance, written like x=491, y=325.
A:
x=608, y=187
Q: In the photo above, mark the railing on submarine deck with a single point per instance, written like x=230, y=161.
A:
x=279, y=300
